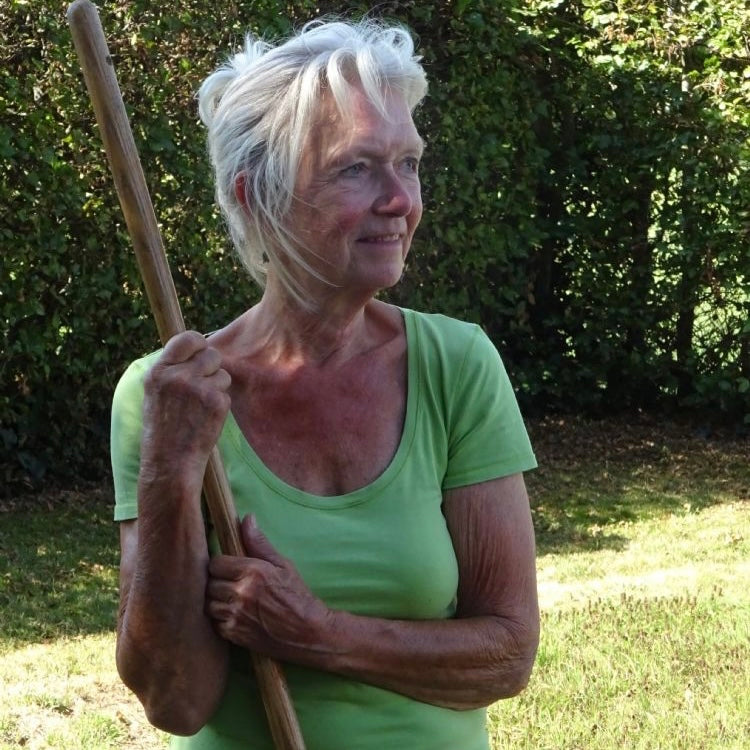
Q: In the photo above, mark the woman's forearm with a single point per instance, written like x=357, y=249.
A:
x=461, y=663
x=167, y=650
x=486, y=652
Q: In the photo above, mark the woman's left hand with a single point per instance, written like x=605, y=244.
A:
x=485, y=653
x=261, y=603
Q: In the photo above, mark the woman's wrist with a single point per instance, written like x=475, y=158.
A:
x=170, y=477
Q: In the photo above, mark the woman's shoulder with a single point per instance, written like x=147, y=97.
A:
x=445, y=334
x=440, y=322
x=128, y=394
x=451, y=354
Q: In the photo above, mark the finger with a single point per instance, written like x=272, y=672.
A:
x=227, y=567
x=221, y=380
x=183, y=346
x=257, y=544
x=220, y=591
x=204, y=364
x=220, y=612
x=233, y=569
x=207, y=361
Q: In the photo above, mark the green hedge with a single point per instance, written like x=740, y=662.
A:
x=586, y=191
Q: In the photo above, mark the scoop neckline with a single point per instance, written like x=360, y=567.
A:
x=247, y=453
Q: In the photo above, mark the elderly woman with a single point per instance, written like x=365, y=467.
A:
x=375, y=453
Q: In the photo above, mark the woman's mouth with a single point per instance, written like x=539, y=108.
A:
x=383, y=239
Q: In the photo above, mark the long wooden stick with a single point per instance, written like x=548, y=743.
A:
x=101, y=81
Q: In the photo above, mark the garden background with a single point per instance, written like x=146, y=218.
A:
x=587, y=200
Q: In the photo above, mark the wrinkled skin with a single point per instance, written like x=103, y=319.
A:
x=298, y=384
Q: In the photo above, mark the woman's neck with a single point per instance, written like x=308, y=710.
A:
x=310, y=336
x=287, y=334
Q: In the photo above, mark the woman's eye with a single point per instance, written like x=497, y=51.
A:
x=354, y=170
x=412, y=164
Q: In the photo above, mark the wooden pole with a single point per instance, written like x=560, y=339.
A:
x=101, y=81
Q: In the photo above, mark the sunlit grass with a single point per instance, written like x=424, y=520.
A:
x=645, y=647
x=58, y=570
x=59, y=688
x=644, y=550
x=644, y=556
x=66, y=694
x=636, y=673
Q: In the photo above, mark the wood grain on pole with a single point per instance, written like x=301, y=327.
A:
x=132, y=191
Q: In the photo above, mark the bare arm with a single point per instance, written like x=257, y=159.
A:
x=484, y=654
x=168, y=652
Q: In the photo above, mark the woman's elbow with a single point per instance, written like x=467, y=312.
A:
x=181, y=720
x=171, y=712
x=515, y=666
x=168, y=705
x=517, y=679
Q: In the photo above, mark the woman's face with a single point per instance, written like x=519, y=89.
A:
x=357, y=197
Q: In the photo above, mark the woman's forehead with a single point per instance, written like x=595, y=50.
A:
x=364, y=125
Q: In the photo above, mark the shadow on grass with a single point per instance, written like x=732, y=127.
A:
x=59, y=552
x=58, y=570
x=596, y=478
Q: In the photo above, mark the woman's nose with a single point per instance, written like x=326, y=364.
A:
x=396, y=195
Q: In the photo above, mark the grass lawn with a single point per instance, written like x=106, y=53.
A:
x=644, y=557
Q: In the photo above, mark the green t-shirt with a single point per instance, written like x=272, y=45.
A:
x=381, y=551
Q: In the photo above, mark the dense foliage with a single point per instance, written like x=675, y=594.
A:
x=586, y=191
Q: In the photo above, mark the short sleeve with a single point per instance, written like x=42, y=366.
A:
x=487, y=437
x=126, y=428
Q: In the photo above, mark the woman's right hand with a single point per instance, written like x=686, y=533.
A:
x=164, y=561
x=185, y=405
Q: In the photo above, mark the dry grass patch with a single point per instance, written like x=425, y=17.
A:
x=644, y=541
x=67, y=694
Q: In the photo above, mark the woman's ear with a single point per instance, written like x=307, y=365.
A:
x=240, y=191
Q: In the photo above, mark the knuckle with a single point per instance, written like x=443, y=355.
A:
x=157, y=379
x=212, y=356
x=174, y=382
x=246, y=585
x=192, y=338
x=204, y=357
x=182, y=346
x=151, y=379
x=215, y=401
x=224, y=380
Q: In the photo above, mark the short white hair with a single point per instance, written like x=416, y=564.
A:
x=261, y=105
